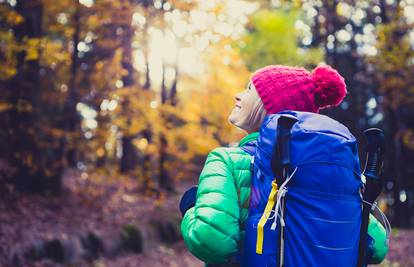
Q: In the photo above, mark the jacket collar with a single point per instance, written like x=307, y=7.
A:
x=248, y=138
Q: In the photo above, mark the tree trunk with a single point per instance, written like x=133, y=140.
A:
x=26, y=157
x=164, y=95
x=73, y=119
x=164, y=179
x=129, y=152
x=145, y=49
x=173, y=91
x=128, y=158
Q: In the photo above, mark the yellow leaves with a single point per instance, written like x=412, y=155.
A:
x=141, y=143
x=393, y=62
x=7, y=72
x=135, y=126
x=205, y=110
x=8, y=49
x=32, y=49
x=192, y=117
x=343, y=9
x=53, y=52
x=45, y=49
x=152, y=149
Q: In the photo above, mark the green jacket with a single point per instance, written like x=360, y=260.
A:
x=212, y=229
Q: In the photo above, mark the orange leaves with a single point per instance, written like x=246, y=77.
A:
x=408, y=138
x=10, y=16
x=4, y=106
x=56, y=133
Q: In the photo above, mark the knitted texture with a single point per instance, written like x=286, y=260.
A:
x=292, y=88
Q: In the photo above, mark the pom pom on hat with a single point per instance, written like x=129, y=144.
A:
x=330, y=86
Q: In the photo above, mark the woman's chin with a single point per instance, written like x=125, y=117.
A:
x=230, y=119
x=235, y=122
x=233, y=117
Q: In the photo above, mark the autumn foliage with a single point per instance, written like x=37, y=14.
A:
x=143, y=89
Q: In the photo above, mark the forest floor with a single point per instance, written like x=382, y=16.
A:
x=103, y=205
x=95, y=204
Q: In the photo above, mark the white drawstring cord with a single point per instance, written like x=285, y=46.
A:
x=384, y=218
x=280, y=194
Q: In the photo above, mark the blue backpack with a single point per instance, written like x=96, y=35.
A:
x=314, y=217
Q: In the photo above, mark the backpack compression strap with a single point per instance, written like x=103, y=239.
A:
x=265, y=216
x=278, y=194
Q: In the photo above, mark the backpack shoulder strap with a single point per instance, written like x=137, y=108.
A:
x=250, y=147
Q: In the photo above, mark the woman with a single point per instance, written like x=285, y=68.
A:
x=215, y=212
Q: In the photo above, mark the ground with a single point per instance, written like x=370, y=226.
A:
x=174, y=256
x=104, y=205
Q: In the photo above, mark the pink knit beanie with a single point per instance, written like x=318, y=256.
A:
x=291, y=88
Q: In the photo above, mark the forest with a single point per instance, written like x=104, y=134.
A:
x=108, y=109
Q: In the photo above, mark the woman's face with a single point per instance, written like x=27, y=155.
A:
x=248, y=112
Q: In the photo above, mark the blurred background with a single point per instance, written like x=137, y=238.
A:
x=108, y=109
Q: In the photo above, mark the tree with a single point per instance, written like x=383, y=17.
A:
x=272, y=39
x=129, y=153
x=393, y=69
x=73, y=119
x=34, y=158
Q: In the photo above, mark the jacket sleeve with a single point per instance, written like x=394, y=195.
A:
x=377, y=241
x=211, y=228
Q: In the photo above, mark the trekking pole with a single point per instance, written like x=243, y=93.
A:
x=373, y=185
x=281, y=165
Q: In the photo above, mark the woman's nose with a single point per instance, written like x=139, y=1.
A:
x=237, y=97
